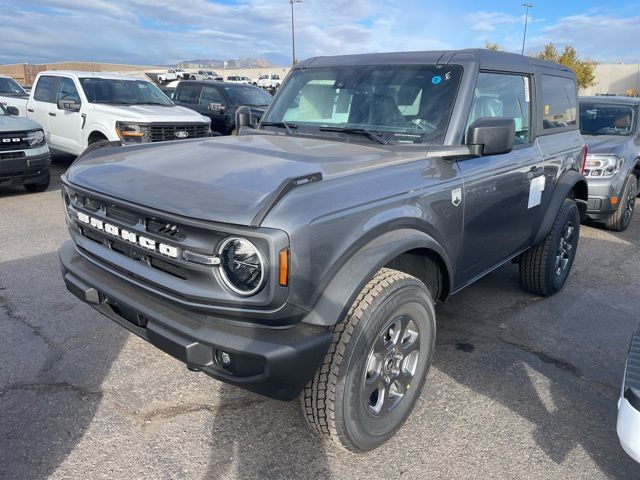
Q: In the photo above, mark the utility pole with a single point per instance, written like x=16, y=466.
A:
x=526, y=20
x=293, y=33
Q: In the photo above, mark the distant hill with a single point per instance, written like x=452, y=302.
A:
x=232, y=63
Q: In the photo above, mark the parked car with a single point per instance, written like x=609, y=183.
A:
x=304, y=258
x=24, y=155
x=269, y=82
x=172, y=74
x=238, y=79
x=612, y=132
x=77, y=109
x=219, y=101
x=168, y=91
x=11, y=93
x=629, y=403
x=202, y=75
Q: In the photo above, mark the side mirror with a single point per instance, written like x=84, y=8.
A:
x=243, y=118
x=69, y=105
x=491, y=135
x=13, y=111
x=216, y=107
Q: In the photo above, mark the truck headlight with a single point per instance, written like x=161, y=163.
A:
x=35, y=138
x=602, y=166
x=242, y=266
x=130, y=133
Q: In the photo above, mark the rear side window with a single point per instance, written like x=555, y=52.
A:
x=44, y=88
x=504, y=95
x=188, y=93
x=559, y=102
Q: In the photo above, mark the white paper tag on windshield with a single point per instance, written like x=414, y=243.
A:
x=535, y=191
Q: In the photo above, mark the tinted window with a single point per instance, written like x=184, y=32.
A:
x=606, y=119
x=210, y=95
x=9, y=86
x=246, y=95
x=559, y=102
x=188, y=93
x=501, y=95
x=44, y=88
x=405, y=103
x=123, y=92
x=67, y=90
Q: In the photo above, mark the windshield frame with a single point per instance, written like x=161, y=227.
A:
x=314, y=129
x=597, y=104
x=82, y=81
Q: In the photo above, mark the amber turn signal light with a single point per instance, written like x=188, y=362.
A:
x=284, y=267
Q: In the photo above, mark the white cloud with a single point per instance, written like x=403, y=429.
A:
x=490, y=21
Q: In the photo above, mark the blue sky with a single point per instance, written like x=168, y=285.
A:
x=167, y=31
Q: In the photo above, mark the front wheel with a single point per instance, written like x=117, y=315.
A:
x=620, y=220
x=544, y=268
x=376, y=366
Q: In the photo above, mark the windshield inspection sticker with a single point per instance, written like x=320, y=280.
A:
x=535, y=191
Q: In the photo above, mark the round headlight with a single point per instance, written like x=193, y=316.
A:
x=241, y=265
x=35, y=137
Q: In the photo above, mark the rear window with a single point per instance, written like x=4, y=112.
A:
x=560, y=101
x=44, y=89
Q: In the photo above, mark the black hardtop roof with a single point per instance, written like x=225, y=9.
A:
x=487, y=59
x=612, y=99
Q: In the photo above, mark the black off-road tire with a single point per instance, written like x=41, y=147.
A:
x=39, y=187
x=335, y=400
x=539, y=272
x=620, y=220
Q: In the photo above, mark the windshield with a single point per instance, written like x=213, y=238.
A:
x=10, y=87
x=406, y=103
x=247, y=95
x=123, y=92
x=607, y=119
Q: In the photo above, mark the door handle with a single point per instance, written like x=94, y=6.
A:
x=52, y=114
x=30, y=110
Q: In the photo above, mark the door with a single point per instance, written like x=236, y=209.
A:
x=40, y=104
x=501, y=205
x=219, y=116
x=66, y=125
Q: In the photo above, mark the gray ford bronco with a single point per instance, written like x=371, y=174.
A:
x=304, y=258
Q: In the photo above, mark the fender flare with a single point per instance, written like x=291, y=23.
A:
x=350, y=279
x=97, y=127
x=570, y=181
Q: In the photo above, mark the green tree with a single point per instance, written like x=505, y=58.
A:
x=492, y=46
x=584, y=69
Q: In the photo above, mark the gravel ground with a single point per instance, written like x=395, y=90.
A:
x=521, y=387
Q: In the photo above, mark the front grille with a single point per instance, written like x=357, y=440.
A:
x=12, y=155
x=161, y=133
x=13, y=141
x=165, y=229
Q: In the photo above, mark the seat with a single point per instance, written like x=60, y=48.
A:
x=379, y=110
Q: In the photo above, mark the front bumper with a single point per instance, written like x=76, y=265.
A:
x=601, y=191
x=275, y=362
x=31, y=168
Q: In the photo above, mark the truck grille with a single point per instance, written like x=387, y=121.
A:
x=161, y=133
x=13, y=141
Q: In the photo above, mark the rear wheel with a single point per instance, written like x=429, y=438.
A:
x=544, y=268
x=376, y=366
x=620, y=220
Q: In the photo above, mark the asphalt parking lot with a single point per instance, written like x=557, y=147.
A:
x=521, y=387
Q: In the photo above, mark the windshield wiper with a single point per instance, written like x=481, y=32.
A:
x=375, y=136
x=287, y=126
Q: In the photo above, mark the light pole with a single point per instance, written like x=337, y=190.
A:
x=293, y=33
x=526, y=20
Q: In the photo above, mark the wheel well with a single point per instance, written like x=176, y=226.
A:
x=96, y=137
x=636, y=168
x=580, y=191
x=427, y=266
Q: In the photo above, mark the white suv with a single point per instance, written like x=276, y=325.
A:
x=77, y=109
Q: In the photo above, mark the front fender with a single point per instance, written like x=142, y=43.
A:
x=349, y=280
x=88, y=129
x=571, y=181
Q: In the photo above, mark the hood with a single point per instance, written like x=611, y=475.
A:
x=150, y=113
x=223, y=179
x=9, y=123
x=604, y=144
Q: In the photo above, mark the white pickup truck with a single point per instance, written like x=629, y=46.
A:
x=77, y=109
x=271, y=81
x=173, y=74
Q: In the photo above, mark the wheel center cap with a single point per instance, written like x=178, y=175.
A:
x=389, y=363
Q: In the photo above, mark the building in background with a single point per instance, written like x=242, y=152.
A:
x=615, y=79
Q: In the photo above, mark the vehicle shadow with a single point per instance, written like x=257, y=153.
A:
x=54, y=359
